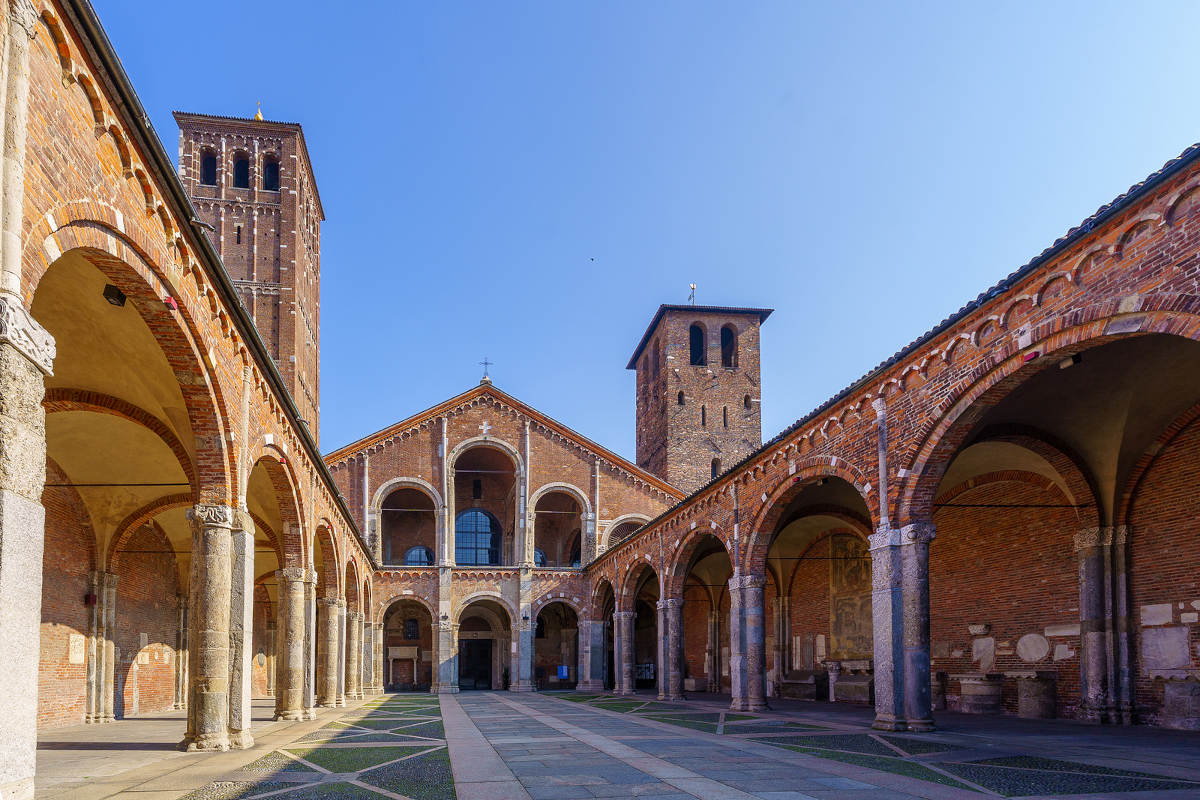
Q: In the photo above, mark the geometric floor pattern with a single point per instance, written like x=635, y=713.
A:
x=390, y=747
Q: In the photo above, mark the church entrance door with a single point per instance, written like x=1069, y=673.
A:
x=475, y=664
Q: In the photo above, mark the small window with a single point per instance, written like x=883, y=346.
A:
x=418, y=557
x=725, y=417
x=477, y=489
x=696, y=343
x=728, y=347
x=241, y=173
x=239, y=234
x=270, y=175
x=412, y=630
x=208, y=169
x=746, y=402
x=539, y=557
x=679, y=399
x=716, y=467
x=703, y=417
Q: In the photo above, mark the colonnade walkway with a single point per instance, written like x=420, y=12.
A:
x=562, y=746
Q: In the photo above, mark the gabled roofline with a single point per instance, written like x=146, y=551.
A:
x=294, y=127
x=490, y=389
x=761, y=313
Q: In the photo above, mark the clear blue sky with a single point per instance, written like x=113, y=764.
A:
x=865, y=169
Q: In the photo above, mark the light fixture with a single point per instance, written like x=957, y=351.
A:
x=1070, y=361
x=114, y=295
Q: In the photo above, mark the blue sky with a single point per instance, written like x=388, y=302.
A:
x=865, y=169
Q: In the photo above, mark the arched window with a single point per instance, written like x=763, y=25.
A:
x=716, y=467
x=270, y=174
x=696, y=343
x=703, y=416
x=208, y=168
x=725, y=417
x=539, y=557
x=729, y=347
x=680, y=398
x=476, y=539
x=241, y=172
x=418, y=556
x=746, y=402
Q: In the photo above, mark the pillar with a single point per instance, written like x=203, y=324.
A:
x=625, y=628
x=447, y=655
x=309, y=645
x=241, y=631
x=521, y=670
x=353, y=653
x=107, y=675
x=738, y=689
x=376, y=662
x=211, y=587
x=755, y=641
x=272, y=664
x=327, y=651
x=364, y=662
x=783, y=629
x=26, y=357
x=712, y=654
x=887, y=612
x=181, y=647
x=1094, y=550
x=592, y=656
x=914, y=565
x=340, y=654
x=673, y=639
x=289, y=653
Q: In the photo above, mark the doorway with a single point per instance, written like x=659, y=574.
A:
x=475, y=664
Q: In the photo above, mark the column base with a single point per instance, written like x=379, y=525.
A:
x=206, y=743
x=309, y=713
x=738, y=704
x=447, y=689
x=327, y=704
x=757, y=705
x=520, y=686
x=921, y=725
x=240, y=740
x=675, y=697
x=291, y=715
x=884, y=722
x=341, y=701
x=589, y=686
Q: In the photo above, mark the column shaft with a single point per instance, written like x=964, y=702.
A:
x=738, y=689
x=327, y=652
x=914, y=564
x=674, y=648
x=289, y=654
x=241, y=631
x=208, y=709
x=353, y=653
x=624, y=639
x=755, y=642
x=887, y=624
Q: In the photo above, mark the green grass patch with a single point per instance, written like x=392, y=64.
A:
x=918, y=746
x=426, y=777
x=1015, y=782
x=432, y=729
x=896, y=766
x=349, y=759
x=768, y=727
x=852, y=742
x=233, y=790
x=621, y=706
x=707, y=727
x=333, y=791
x=1054, y=765
x=277, y=762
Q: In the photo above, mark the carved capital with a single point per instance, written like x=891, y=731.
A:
x=328, y=602
x=883, y=539
x=1087, y=538
x=291, y=574
x=242, y=520
x=918, y=533
x=205, y=515
x=880, y=406
x=24, y=13
x=25, y=334
x=622, y=615
x=674, y=602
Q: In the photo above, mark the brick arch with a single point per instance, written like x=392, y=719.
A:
x=260, y=526
x=61, y=400
x=487, y=441
x=86, y=533
x=382, y=607
x=565, y=488
x=330, y=573
x=287, y=497
x=548, y=600
x=633, y=575
x=127, y=527
x=807, y=473
x=487, y=594
x=927, y=460
x=178, y=335
x=676, y=571
x=367, y=594
x=621, y=520
x=595, y=602
x=353, y=600
x=1145, y=462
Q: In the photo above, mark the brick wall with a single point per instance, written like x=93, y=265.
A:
x=66, y=563
x=147, y=623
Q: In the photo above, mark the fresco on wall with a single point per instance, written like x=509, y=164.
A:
x=850, y=598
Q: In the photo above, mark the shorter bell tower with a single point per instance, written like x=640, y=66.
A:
x=699, y=399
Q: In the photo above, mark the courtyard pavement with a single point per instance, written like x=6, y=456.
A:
x=562, y=746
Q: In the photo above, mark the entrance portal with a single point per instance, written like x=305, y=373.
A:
x=475, y=664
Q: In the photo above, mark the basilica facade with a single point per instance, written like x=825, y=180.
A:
x=998, y=519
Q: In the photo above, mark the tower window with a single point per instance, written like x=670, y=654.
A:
x=270, y=174
x=725, y=416
x=239, y=234
x=716, y=467
x=746, y=402
x=729, y=347
x=680, y=398
x=696, y=343
x=703, y=417
x=208, y=169
x=241, y=173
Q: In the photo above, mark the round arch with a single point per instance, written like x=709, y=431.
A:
x=490, y=442
x=641, y=519
x=559, y=486
x=405, y=483
x=485, y=594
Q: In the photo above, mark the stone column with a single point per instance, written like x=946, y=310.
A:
x=447, y=667
x=377, y=658
x=108, y=683
x=181, y=647
x=623, y=620
x=310, y=645
x=712, y=654
x=353, y=653
x=887, y=611
x=1122, y=627
x=289, y=657
x=591, y=656
x=1092, y=548
x=364, y=666
x=914, y=565
x=327, y=651
x=755, y=641
x=211, y=588
x=783, y=628
x=674, y=648
x=272, y=664
x=340, y=654
x=661, y=650
x=521, y=669
x=738, y=689
x=241, y=631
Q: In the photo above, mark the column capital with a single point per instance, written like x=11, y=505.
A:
x=918, y=533
x=291, y=574
x=1086, y=538
x=623, y=615
x=20, y=330
x=331, y=602
x=242, y=521
x=747, y=582
x=211, y=515
x=673, y=602
x=880, y=406
x=883, y=539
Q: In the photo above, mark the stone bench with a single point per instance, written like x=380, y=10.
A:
x=805, y=684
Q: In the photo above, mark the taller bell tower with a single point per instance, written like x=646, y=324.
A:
x=699, y=408
x=250, y=179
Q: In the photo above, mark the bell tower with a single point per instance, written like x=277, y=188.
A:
x=253, y=189
x=699, y=408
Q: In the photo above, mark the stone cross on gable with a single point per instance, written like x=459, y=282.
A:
x=486, y=427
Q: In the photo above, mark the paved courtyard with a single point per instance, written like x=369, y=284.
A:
x=497, y=745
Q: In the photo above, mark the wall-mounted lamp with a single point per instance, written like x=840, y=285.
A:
x=114, y=295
